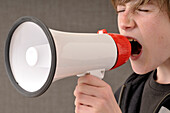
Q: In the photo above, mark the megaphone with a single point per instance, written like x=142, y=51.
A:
x=36, y=56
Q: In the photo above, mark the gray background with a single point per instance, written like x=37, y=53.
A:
x=65, y=15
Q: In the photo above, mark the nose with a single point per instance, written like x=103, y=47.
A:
x=126, y=21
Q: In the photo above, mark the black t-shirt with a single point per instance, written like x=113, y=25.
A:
x=153, y=94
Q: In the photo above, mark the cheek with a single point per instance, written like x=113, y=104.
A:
x=155, y=50
x=152, y=43
x=118, y=21
x=154, y=38
x=152, y=34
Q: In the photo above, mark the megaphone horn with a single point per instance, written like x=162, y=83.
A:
x=36, y=56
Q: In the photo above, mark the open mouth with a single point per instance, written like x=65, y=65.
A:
x=136, y=47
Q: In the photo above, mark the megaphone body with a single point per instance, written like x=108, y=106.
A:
x=36, y=56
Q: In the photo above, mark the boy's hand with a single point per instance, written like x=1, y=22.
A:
x=94, y=96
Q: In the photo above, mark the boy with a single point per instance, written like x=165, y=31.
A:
x=148, y=89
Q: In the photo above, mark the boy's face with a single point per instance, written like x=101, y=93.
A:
x=150, y=26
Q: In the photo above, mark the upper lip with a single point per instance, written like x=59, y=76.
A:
x=132, y=38
x=129, y=37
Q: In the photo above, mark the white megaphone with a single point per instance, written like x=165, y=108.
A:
x=36, y=56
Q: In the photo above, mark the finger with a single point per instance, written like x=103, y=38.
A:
x=91, y=80
x=86, y=100
x=75, y=91
x=76, y=103
x=83, y=109
x=88, y=90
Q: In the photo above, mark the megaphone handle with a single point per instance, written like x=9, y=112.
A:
x=97, y=73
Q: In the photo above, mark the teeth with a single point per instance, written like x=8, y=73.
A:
x=130, y=39
x=135, y=55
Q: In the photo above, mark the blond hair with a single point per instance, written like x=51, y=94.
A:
x=163, y=4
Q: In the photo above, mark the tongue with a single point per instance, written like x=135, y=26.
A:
x=136, y=47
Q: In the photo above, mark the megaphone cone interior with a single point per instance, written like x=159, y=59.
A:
x=36, y=56
x=30, y=56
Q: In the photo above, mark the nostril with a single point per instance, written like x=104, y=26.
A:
x=126, y=23
x=125, y=27
x=128, y=26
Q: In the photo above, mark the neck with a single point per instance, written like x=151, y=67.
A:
x=163, y=73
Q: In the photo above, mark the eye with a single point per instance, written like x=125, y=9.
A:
x=119, y=11
x=120, y=8
x=143, y=10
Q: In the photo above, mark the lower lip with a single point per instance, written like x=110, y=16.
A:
x=136, y=56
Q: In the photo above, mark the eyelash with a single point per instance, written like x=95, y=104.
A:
x=142, y=10
x=120, y=11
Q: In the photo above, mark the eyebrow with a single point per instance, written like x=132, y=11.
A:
x=137, y=4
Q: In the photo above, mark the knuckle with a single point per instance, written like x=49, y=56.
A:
x=101, y=103
x=76, y=109
x=78, y=96
x=108, y=86
x=105, y=94
x=75, y=91
x=79, y=89
x=76, y=102
x=79, y=80
x=107, y=91
x=84, y=79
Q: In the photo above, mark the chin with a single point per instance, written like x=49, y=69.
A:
x=141, y=69
x=140, y=72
